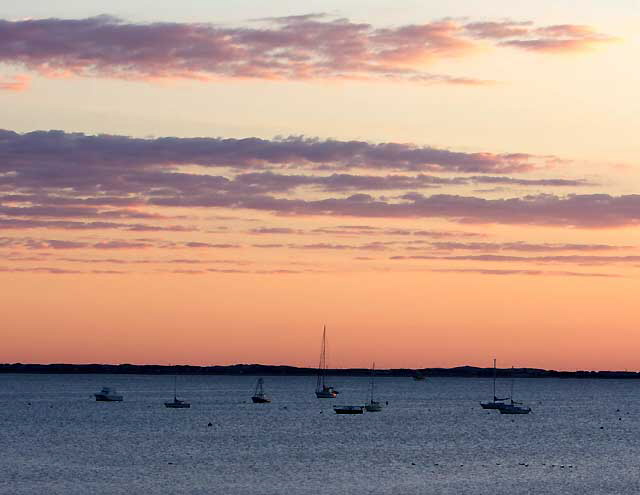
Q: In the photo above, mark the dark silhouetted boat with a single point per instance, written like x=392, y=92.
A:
x=324, y=391
x=108, y=394
x=513, y=407
x=496, y=403
x=177, y=403
x=373, y=405
x=348, y=409
x=419, y=377
x=259, y=396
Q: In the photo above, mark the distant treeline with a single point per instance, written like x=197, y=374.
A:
x=262, y=369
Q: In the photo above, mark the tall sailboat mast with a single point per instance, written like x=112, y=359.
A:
x=494, y=379
x=512, y=384
x=323, y=364
x=373, y=370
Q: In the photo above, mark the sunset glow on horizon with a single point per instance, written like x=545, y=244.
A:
x=439, y=186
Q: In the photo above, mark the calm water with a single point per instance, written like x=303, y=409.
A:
x=433, y=438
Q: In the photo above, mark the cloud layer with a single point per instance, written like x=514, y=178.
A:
x=117, y=179
x=291, y=48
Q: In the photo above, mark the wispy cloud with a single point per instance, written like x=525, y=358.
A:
x=14, y=83
x=534, y=273
x=497, y=258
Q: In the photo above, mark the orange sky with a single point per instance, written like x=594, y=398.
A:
x=439, y=187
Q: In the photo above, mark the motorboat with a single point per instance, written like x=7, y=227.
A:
x=514, y=408
x=348, y=409
x=108, y=394
x=177, y=404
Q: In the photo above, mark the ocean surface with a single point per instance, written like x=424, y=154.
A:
x=583, y=437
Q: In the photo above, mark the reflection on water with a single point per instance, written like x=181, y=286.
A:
x=433, y=437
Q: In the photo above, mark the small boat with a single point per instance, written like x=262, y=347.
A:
x=513, y=407
x=108, y=394
x=417, y=376
x=177, y=403
x=373, y=405
x=496, y=403
x=324, y=391
x=348, y=409
x=259, y=396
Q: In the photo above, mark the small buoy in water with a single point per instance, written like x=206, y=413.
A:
x=602, y=427
x=209, y=424
x=413, y=463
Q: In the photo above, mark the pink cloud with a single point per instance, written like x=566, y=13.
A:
x=287, y=48
x=15, y=83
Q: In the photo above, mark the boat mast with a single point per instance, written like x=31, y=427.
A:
x=512, y=384
x=494, y=379
x=322, y=365
x=175, y=390
x=373, y=369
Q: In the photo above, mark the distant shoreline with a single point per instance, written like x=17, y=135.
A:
x=283, y=370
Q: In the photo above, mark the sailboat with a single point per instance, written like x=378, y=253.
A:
x=177, y=403
x=373, y=405
x=324, y=391
x=513, y=407
x=259, y=396
x=496, y=403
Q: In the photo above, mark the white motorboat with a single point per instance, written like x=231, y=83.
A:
x=108, y=394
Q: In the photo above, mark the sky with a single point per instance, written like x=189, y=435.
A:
x=208, y=182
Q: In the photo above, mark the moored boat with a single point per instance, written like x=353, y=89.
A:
x=108, y=394
x=259, y=397
x=497, y=402
x=348, y=409
x=324, y=391
x=177, y=403
x=373, y=405
x=513, y=407
x=419, y=377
